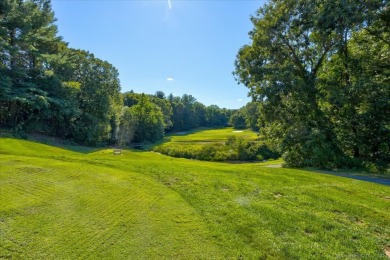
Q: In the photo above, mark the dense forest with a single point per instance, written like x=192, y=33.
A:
x=318, y=74
x=47, y=87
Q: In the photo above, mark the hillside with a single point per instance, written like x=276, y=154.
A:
x=65, y=203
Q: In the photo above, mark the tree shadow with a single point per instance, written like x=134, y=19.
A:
x=383, y=179
x=60, y=143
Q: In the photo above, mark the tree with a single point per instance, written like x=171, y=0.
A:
x=99, y=98
x=165, y=107
x=130, y=98
x=160, y=94
x=177, y=114
x=46, y=86
x=291, y=42
x=355, y=86
x=251, y=112
x=200, y=114
x=127, y=127
x=149, y=121
x=216, y=117
x=237, y=120
x=189, y=117
x=28, y=41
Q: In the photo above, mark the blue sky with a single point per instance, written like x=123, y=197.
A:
x=177, y=46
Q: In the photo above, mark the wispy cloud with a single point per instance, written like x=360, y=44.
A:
x=240, y=100
x=169, y=4
x=170, y=79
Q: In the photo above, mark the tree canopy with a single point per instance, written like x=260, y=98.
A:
x=47, y=87
x=306, y=68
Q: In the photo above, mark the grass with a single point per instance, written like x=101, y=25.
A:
x=203, y=144
x=59, y=203
x=210, y=135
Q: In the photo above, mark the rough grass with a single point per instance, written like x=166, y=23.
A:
x=58, y=203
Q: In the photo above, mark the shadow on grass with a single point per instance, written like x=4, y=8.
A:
x=71, y=147
x=383, y=179
x=59, y=143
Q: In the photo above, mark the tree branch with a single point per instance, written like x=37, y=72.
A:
x=295, y=56
x=319, y=63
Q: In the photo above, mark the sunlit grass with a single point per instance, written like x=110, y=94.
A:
x=211, y=135
x=58, y=203
x=203, y=144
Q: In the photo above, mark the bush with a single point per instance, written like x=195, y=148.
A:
x=248, y=150
x=233, y=149
x=312, y=149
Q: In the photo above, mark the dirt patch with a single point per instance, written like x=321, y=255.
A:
x=238, y=131
x=242, y=201
x=387, y=251
x=225, y=189
x=278, y=194
x=274, y=166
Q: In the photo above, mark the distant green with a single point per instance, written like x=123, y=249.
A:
x=225, y=144
x=57, y=203
x=211, y=135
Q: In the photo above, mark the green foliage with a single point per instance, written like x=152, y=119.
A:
x=46, y=86
x=321, y=101
x=190, y=114
x=217, y=145
x=356, y=93
x=98, y=98
x=251, y=113
x=250, y=150
x=247, y=116
x=149, y=120
x=216, y=117
x=181, y=113
x=27, y=42
x=49, y=88
x=127, y=127
x=165, y=107
x=237, y=120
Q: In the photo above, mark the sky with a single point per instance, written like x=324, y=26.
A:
x=176, y=46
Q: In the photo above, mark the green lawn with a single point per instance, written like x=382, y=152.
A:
x=211, y=135
x=59, y=203
x=200, y=143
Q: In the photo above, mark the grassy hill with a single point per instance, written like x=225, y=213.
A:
x=80, y=203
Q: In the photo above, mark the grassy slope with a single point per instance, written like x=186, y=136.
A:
x=57, y=202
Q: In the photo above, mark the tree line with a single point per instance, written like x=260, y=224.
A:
x=148, y=117
x=318, y=73
x=320, y=76
x=47, y=87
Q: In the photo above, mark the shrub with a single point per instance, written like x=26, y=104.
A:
x=233, y=149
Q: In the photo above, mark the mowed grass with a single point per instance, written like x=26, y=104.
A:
x=211, y=135
x=192, y=144
x=56, y=203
